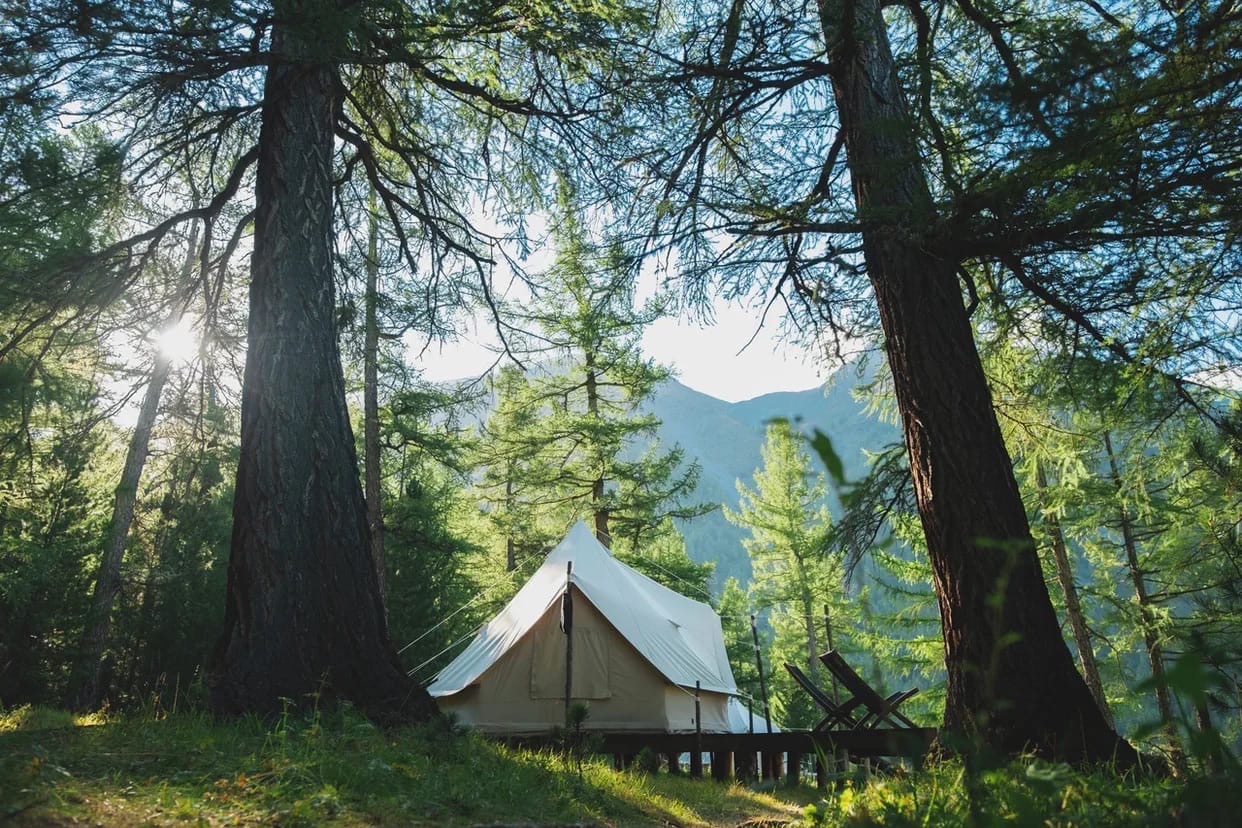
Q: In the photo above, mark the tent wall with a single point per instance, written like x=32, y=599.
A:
x=679, y=710
x=523, y=692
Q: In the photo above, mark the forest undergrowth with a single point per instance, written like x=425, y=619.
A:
x=337, y=768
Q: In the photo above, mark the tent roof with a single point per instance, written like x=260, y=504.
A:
x=679, y=636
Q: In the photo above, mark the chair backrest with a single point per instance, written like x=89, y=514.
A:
x=821, y=698
x=853, y=682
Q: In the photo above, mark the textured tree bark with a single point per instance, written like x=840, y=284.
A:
x=598, y=509
x=304, y=618
x=1011, y=685
x=370, y=406
x=1073, y=607
x=510, y=545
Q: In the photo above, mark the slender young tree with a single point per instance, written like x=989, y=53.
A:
x=1069, y=589
x=372, y=462
x=787, y=515
x=1146, y=610
x=572, y=438
x=1105, y=466
x=108, y=578
x=1045, y=446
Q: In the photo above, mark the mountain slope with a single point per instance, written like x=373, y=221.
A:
x=726, y=438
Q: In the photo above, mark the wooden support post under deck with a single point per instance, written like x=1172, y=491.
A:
x=745, y=766
x=773, y=765
x=821, y=769
x=793, y=770
x=674, y=764
x=837, y=747
x=722, y=765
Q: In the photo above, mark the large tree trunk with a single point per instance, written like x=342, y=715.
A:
x=304, y=617
x=1073, y=607
x=1011, y=681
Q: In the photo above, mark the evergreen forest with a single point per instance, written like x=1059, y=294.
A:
x=242, y=528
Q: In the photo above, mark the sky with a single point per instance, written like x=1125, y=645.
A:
x=719, y=359
x=714, y=360
x=723, y=361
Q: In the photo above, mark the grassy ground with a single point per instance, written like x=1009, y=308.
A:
x=330, y=770
x=338, y=769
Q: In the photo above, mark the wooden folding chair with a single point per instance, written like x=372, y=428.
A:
x=835, y=714
x=880, y=710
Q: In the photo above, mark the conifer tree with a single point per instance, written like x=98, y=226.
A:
x=787, y=516
x=575, y=428
x=518, y=480
x=597, y=383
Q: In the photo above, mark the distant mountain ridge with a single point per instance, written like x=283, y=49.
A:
x=725, y=439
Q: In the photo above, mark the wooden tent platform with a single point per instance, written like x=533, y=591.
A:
x=750, y=755
x=885, y=742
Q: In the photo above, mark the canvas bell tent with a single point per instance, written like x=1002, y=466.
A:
x=638, y=649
